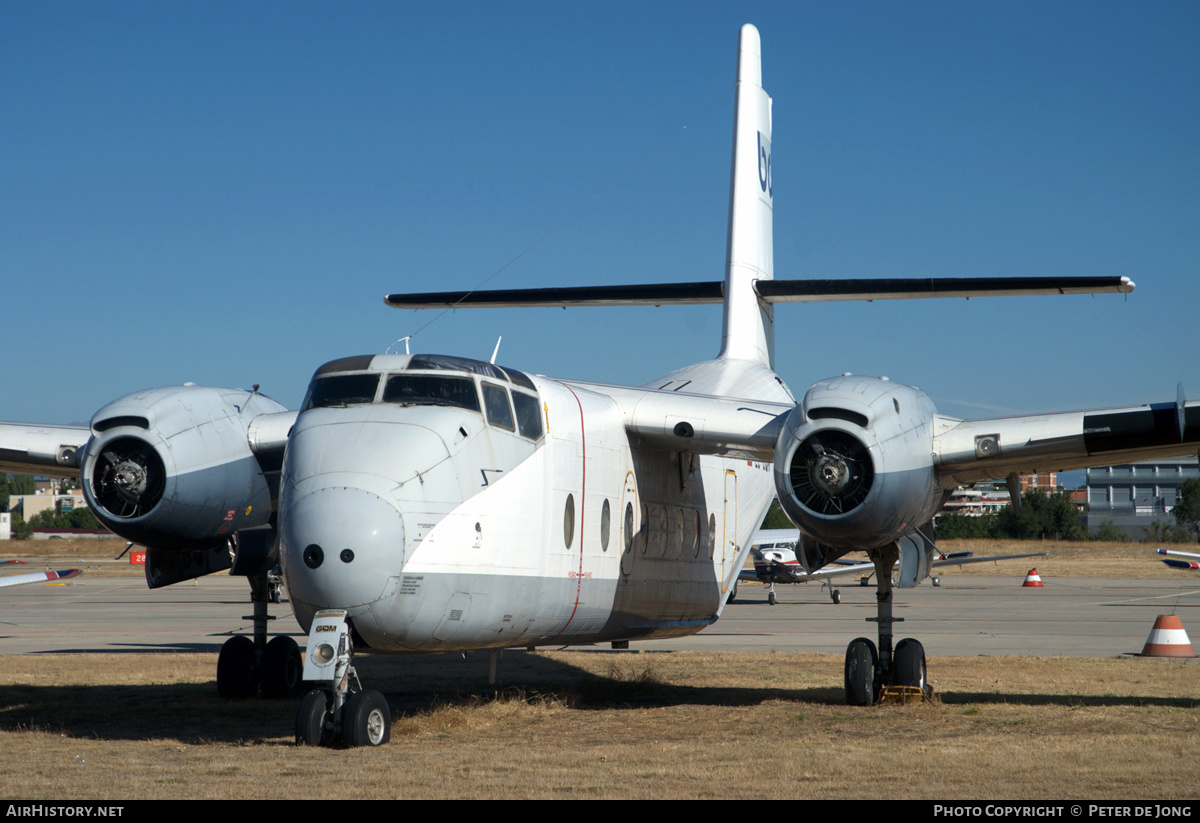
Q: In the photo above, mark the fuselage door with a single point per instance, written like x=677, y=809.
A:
x=729, y=549
x=630, y=525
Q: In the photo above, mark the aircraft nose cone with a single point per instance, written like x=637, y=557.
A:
x=339, y=546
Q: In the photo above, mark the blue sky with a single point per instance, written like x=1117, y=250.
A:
x=223, y=192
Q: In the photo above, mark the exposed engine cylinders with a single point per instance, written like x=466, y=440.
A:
x=172, y=468
x=853, y=462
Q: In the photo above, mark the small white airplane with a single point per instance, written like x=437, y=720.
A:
x=426, y=503
x=38, y=577
x=1180, y=564
x=773, y=552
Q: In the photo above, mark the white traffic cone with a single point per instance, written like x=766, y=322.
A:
x=1168, y=639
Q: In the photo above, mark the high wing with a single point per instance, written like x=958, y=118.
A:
x=970, y=450
x=38, y=577
x=27, y=448
x=964, y=451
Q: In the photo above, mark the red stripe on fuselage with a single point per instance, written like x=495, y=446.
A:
x=582, y=508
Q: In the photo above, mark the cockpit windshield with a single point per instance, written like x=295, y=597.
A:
x=341, y=390
x=431, y=390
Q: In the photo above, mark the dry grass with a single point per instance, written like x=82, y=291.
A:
x=611, y=725
x=617, y=725
x=1067, y=559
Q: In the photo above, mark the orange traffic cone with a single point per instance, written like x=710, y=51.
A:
x=1168, y=639
x=1032, y=579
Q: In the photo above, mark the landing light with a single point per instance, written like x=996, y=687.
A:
x=323, y=654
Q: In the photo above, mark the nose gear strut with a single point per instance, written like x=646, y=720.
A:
x=339, y=709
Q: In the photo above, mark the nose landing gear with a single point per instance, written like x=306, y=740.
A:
x=340, y=709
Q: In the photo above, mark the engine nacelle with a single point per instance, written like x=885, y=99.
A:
x=172, y=468
x=854, y=462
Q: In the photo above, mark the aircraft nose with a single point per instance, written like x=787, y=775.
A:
x=340, y=545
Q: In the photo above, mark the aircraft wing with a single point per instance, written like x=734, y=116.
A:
x=964, y=451
x=675, y=421
x=27, y=448
x=38, y=577
x=55, y=451
x=969, y=450
x=1180, y=564
x=962, y=561
x=796, y=574
x=788, y=574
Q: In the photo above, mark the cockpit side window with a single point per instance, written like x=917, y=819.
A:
x=495, y=400
x=431, y=390
x=529, y=415
x=341, y=390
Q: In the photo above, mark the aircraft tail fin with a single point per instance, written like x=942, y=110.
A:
x=750, y=291
x=748, y=332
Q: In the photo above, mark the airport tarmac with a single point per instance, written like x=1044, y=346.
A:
x=1086, y=617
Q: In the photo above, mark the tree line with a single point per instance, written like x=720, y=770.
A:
x=1054, y=517
x=1050, y=517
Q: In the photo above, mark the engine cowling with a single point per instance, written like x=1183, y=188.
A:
x=854, y=462
x=171, y=468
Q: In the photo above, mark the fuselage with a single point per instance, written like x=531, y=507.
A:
x=449, y=504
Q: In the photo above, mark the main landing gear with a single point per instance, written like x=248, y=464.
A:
x=246, y=664
x=340, y=709
x=834, y=594
x=871, y=671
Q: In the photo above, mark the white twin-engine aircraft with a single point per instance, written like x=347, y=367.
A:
x=422, y=503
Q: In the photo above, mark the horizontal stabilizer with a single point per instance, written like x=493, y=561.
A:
x=656, y=294
x=768, y=291
x=915, y=288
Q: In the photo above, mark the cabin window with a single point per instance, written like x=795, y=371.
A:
x=341, y=390
x=529, y=415
x=628, y=527
x=605, y=525
x=495, y=401
x=712, y=535
x=569, y=521
x=431, y=390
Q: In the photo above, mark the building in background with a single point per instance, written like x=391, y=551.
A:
x=1133, y=495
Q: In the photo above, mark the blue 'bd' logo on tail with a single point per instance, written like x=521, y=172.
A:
x=764, y=165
